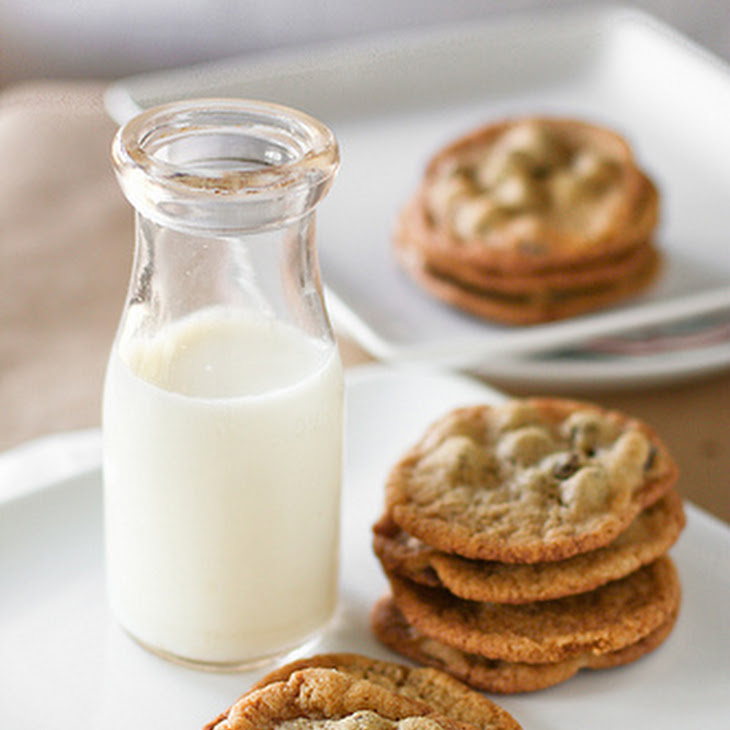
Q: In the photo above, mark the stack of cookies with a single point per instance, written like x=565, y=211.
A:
x=351, y=691
x=530, y=220
x=527, y=540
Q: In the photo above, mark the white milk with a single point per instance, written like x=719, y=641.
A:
x=222, y=465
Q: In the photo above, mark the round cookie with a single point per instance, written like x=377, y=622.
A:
x=440, y=691
x=606, y=619
x=528, y=480
x=312, y=697
x=493, y=675
x=650, y=535
x=531, y=194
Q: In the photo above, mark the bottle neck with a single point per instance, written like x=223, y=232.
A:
x=272, y=274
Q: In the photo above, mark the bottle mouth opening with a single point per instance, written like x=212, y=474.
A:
x=226, y=147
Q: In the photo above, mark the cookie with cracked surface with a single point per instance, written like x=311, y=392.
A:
x=494, y=675
x=532, y=194
x=439, y=690
x=606, y=619
x=529, y=480
x=650, y=535
x=327, y=699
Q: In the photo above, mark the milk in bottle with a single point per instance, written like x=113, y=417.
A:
x=223, y=398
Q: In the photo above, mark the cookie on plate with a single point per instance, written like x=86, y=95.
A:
x=322, y=698
x=355, y=691
x=649, y=536
x=439, y=690
x=529, y=480
x=495, y=675
x=531, y=219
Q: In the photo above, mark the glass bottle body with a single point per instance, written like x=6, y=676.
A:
x=223, y=402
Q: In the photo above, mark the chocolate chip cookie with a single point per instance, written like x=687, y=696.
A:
x=529, y=480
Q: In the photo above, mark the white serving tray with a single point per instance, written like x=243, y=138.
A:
x=394, y=100
x=65, y=665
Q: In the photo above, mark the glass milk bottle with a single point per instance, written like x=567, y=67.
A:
x=222, y=418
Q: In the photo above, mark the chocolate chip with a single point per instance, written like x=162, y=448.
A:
x=651, y=458
x=540, y=172
x=567, y=467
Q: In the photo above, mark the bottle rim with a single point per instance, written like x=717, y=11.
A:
x=291, y=156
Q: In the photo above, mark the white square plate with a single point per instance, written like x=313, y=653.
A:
x=393, y=101
x=65, y=665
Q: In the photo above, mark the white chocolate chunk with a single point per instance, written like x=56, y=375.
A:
x=474, y=216
x=586, y=492
x=445, y=194
x=518, y=192
x=593, y=171
x=514, y=414
x=362, y=720
x=458, y=460
x=525, y=446
x=587, y=431
x=626, y=461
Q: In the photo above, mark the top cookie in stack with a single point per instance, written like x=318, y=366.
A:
x=530, y=220
x=527, y=540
